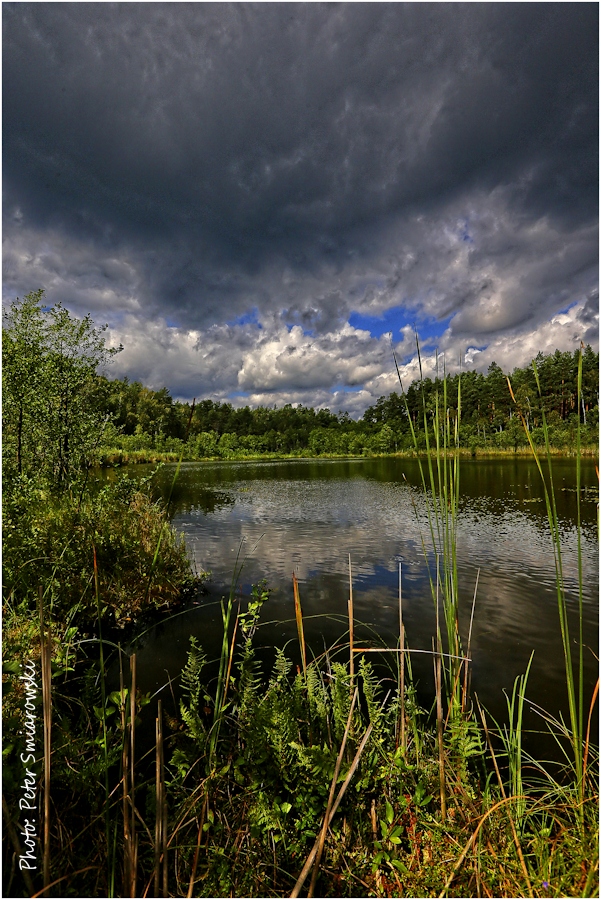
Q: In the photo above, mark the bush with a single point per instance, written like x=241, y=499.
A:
x=52, y=540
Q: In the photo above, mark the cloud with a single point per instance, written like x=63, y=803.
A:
x=188, y=163
x=263, y=363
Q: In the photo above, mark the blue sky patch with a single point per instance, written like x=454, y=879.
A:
x=393, y=320
x=236, y=394
x=248, y=318
x=566, y=309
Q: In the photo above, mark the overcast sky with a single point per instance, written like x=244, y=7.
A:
x=254, y=196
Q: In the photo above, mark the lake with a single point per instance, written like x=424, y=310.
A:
x=307, y=516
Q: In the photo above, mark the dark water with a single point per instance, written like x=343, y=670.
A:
x=308, y=516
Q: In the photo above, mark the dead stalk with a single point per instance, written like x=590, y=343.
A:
x=197, y=851
x=310, y=859
x=132, y=763
x=351, y=626
x=324, y=829
x=588, y=730
x=46, y=653
x=127, y=855
x=299, y=623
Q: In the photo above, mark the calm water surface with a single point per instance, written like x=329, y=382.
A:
x=308, y=516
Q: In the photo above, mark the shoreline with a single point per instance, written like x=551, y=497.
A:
x=120, y=458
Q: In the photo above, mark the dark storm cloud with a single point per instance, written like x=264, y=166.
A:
x=195, y=161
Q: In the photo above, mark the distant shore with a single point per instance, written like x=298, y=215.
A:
x=117, y=458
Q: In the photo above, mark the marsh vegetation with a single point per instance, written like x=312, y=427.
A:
x=323, y=774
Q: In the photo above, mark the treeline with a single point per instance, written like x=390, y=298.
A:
x=60, y=415
x=145, y=420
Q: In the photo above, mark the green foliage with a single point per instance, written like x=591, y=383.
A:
x=52, y=395
x=50, y=539
x=193, y=694
x=146, y=421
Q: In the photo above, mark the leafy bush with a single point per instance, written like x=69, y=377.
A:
x=51, y=540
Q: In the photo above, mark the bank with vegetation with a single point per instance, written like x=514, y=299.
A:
x=320, y=776
x=147, y=424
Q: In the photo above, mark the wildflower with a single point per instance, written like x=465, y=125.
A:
x=546, y=885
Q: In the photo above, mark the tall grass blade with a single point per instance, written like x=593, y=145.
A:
x=402, y=664
x=574, y=688
x=466, y=670
x=132, y=779
x=516, y=839
x=439, y=730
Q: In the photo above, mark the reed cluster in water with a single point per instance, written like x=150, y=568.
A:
x=323, y=778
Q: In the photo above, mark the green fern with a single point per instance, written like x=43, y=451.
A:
x=340, y=691
x=192, y=690
x=371, y=690
x=319, y=704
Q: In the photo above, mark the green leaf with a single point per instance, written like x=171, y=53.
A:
x=389, y=813
x=12, y=666
x=399, y=865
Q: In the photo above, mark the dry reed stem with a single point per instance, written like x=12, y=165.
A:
x=62, y=878
x=324, y=829
x=125, y=768
x=374, y=832
x=132, y=763
x=588, y=730
x=161, y=807
x=351, y=623
x=158, y=828
x=307, y=867
x=197, y=851
x=46, y=653
x=409, y=651
x=299, y=623
x=164, y=807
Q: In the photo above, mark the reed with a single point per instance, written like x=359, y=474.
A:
x=440, y=485
x=46, y=657
x=255, y=793
x=133, y=838
x=161, y=842
x=313, y=854
x=401, y=663
x=298, y=614
x=351, y=623
x=326, y=818
x=574, y=682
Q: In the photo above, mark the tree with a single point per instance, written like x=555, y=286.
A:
x=22, y=354
x=54, y=409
